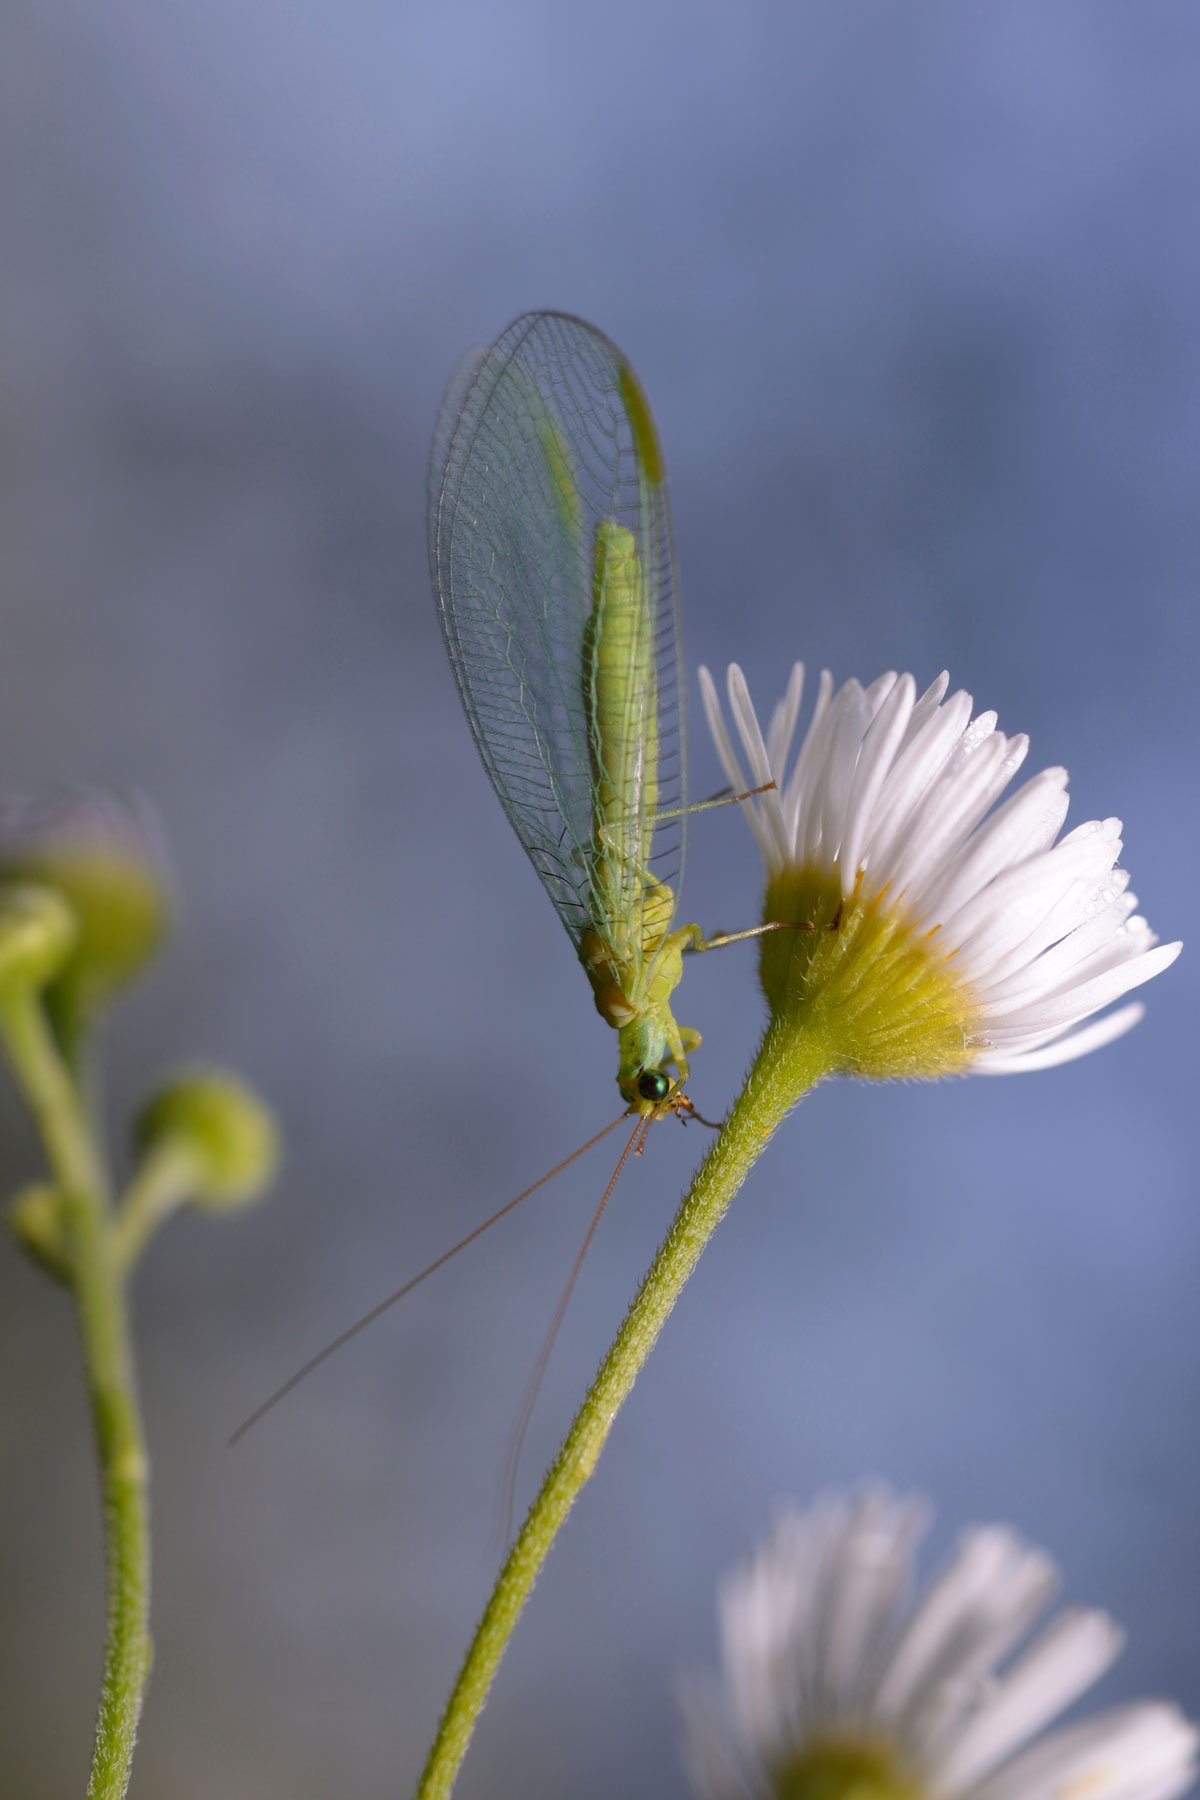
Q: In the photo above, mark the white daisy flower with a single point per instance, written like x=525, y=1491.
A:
x=939, y=931
x=837, y=1686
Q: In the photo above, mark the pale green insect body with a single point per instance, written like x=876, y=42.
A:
x=635, y=963
x=550, y=543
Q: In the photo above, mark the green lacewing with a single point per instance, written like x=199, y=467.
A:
x=554, y=572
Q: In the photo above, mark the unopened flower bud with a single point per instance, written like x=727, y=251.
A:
x=35, y=1220
x=224, y=1129
x=102, y=856
x=37, y=936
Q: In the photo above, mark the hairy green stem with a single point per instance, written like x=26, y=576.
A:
x=96, y=1279
x=788, y=1064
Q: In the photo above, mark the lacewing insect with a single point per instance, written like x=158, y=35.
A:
x=554, y=569
x=554, y=572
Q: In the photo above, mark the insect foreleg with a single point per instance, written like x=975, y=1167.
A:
x=724, y=798
x=695, y=940
x=681, y=1041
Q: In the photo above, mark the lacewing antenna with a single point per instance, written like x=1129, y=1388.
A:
x=368, y=1318
x=508, y=1487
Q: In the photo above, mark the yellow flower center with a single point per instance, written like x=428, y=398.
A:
x=844, y=1769
x=882, y=993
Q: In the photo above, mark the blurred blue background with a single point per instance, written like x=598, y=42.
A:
x=915, y=292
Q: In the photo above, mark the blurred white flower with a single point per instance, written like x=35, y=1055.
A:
x=940, y=934
x=837, y=1686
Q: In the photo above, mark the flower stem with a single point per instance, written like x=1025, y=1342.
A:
x=96, y=1280
x=165, y=1179
x=788, y=1064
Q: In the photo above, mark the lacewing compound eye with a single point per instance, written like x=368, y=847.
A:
x=653, y=1084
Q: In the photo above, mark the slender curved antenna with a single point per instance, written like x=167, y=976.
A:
x=368, y=1318
x=509, y=1482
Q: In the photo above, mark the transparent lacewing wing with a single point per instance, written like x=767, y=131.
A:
x=553, y=565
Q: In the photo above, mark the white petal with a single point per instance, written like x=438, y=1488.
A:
x=879, y=751
x=1027, y=823
x=993, y=1584
x=745, y=718
x=720, y=736
x=918, y=766
x=958, y=799
x=1145, y=1752
x=1068, y=1658
x=1063, y=1049
x=1029, y=907
x=806, y=763
x=732, y=767
x=783, y=721
x=928, y=704
x=1106, y=934
x=1090, y=996
x=866, y=1578
x=832, y=796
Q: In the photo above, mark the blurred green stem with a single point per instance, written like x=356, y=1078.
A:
x=788, y=1064
x=165, y=1178
x=96, y=1275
